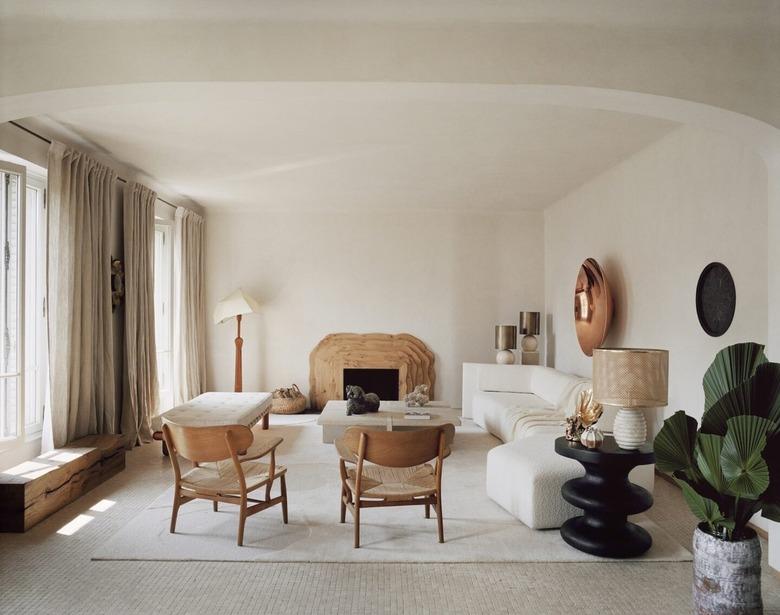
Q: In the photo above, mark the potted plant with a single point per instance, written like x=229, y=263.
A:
x=728, y=469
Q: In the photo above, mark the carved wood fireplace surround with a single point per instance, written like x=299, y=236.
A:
x=337, y=351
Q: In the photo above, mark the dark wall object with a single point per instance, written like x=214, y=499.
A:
x=716, y=299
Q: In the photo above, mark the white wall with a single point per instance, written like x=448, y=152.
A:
x=653, y=222
x=446, y=278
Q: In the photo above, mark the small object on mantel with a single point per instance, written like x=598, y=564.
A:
x=360, y=402
x=419, y=397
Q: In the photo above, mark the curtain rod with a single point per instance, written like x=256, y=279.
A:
x=42, y=138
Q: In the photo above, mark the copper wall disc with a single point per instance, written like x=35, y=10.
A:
x=592, y=306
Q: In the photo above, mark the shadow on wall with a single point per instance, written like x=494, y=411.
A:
x=621, y=300
x=549, y=332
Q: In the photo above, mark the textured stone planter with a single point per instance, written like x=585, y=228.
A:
x=726, y=575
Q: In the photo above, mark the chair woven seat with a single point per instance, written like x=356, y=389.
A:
x=227, y=469
x=390, y=484
x=221, y=478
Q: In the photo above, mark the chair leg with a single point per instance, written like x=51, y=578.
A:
x=439, y=517
x=214, y=505
x=175, y=512
x=241, y=521
x=427, y=511
x=283, y=485
x=343, y=505
x=357, y=522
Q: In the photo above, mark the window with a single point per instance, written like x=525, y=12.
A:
x=163, y=323
x=22, y=318
x=35, y=335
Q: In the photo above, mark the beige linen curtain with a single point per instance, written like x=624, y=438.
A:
x=81, y=351
x=189, y=306
x=140, y=395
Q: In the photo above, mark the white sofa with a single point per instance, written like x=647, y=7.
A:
x=525, y=406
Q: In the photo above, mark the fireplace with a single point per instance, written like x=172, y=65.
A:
x=401, y=358
x=383, y=382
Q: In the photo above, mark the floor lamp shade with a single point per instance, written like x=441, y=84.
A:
x=630, y=378
x=235, y=305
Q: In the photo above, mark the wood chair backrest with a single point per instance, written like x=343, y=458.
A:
x=398, y=449
x=205, y=444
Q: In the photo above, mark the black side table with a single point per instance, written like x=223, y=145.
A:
x=607, y=498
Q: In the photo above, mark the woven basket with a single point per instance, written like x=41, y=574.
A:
x=288, y=401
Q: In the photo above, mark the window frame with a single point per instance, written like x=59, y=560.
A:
x=38, y=309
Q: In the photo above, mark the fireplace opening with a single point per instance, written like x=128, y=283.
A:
x=383, y=382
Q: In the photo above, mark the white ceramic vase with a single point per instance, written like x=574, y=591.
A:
x=630, y=428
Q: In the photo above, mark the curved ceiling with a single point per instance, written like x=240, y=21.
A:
x=456, y=104
x=725, y=54
x=319, y=149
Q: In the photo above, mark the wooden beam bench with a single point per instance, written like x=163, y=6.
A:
x=33, y=490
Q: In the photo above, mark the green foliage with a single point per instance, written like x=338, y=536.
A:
x=730, y=468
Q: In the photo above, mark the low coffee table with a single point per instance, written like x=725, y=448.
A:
x=334, y=419
x=607, y=498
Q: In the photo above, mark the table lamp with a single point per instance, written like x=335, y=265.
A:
x=631, y=378
x=530, y=326
x=506, y=341
x=235, y=305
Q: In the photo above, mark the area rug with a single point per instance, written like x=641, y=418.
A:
x=476, y=529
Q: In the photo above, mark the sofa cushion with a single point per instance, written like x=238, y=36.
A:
x=499, y=413
x=558, y=388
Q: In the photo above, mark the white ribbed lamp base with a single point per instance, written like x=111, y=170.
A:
x=630, y=428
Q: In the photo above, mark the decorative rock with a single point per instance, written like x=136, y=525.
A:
x=726, y=575
x=418, y=397
x=360, y=402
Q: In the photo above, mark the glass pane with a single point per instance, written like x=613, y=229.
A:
x=10, y=205
x=9, y=394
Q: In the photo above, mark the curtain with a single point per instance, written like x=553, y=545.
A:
x=140, y=391
x=81, y=351
x=189, y=306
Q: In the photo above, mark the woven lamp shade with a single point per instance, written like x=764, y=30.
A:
x=630, y=377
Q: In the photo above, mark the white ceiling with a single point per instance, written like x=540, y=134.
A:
x=321, y=152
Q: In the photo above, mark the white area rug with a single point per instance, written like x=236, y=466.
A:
x=475, y=528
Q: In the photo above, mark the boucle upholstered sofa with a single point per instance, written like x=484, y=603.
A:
x=525, y=406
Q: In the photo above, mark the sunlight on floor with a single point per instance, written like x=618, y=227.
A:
x=74, y=526
x=103, y=505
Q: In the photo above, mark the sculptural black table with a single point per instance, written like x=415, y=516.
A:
x=607, y=498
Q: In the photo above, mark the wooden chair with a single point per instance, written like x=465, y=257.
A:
x=398, y=472
x=232, y=471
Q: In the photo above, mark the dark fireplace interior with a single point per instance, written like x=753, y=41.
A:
x=383, y=382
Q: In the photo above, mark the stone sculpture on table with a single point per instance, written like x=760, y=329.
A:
x=360, y=402
x=419, y=397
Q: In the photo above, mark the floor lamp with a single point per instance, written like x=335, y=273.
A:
x=235, y=305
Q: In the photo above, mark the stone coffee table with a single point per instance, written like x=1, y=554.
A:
x=334, y=419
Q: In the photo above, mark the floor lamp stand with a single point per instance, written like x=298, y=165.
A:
x=239, y=343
